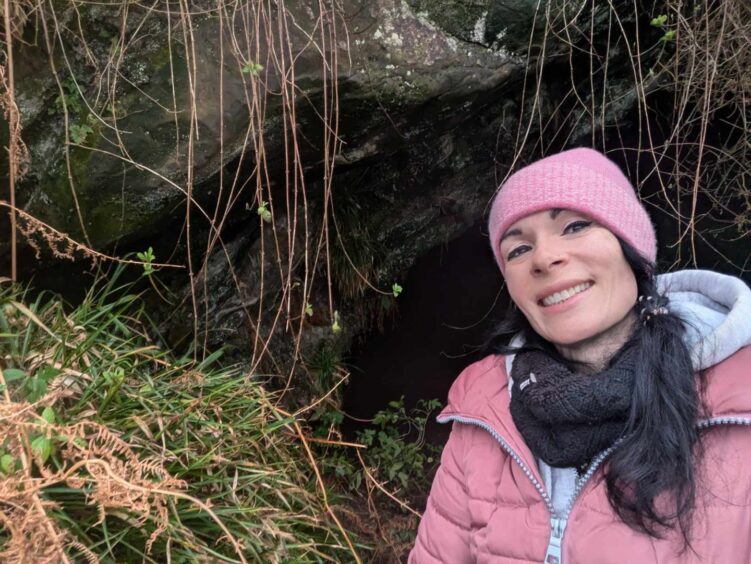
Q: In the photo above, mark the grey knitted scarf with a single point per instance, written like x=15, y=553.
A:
x=567, y=418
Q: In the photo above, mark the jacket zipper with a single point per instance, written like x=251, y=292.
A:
x=730, y=420
x=535, y=482
x=554, y=552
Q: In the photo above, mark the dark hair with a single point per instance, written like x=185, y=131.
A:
x=660, y=445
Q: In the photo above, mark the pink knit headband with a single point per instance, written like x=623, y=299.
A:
x=583, y=180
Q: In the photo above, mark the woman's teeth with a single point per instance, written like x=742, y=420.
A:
x=563, y=295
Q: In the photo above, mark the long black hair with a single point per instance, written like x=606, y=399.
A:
x=660, y=445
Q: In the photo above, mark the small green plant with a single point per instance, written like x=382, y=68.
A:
x=659, y=21
x=264, y=212
x=396, y=289
x=252, y=68
x=7, y=463
x=79, y=133
x=32, y=387
x=70, y=99
x=669, y=35
x=397, y=453
x=324, y=364
x=309, y=309
x=147, y=258
x=397, y=448
x=336, y=328
x=113, y=380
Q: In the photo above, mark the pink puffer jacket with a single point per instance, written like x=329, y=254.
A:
x=488, y=504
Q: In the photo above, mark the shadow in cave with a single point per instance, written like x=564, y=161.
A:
x=451, y=300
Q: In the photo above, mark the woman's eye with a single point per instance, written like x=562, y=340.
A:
x=517, y=251
x=576, y=226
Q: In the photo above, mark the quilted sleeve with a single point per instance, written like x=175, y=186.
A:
x=444, y=532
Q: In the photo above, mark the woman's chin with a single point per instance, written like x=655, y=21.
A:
x=564, y=336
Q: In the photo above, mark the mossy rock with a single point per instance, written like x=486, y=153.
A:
x=498, y=25
x=125, y=171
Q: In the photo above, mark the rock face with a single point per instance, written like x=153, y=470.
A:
x=428, y=95
x=129, y=105
x=421, y=113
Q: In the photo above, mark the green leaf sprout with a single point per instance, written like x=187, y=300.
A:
x=42, y=447
x=396, y=289
x=659, y=21
x=78, y=133
x=668, y=36
x=7, y=463
x=147, y=258
x=252, y=68
x=264, y=212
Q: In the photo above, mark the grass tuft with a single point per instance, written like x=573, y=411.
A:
x=124, y=452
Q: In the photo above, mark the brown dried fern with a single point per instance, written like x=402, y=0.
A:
x=92, y=458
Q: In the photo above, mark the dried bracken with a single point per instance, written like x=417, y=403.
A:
x=93, y=459
x=20, y=152
x=19, y=12
x=40, y=236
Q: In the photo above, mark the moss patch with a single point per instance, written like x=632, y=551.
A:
x=459, y=18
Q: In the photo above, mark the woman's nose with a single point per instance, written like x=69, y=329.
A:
x=547, y=256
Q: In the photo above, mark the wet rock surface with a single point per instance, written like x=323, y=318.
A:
x=406, y=77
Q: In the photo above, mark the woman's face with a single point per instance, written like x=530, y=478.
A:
x=569, y=277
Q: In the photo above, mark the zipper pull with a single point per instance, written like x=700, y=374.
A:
x=554, y=554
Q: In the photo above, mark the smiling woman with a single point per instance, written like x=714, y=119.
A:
x=608, y=423
x=569, y=277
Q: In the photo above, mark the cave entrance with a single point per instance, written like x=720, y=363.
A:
x=451, y=300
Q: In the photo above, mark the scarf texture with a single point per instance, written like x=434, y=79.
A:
x=566, y=418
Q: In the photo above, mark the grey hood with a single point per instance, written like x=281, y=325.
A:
x=716, y=309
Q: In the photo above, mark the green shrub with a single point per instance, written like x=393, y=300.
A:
x=397, y=448
x=396, y=452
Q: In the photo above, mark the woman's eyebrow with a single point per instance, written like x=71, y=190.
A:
x=511, y=233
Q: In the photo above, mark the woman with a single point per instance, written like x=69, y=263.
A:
x=615, y=425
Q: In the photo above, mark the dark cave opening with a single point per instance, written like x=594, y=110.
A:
x=452, y=297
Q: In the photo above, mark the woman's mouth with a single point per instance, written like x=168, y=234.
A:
x=563, y=295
